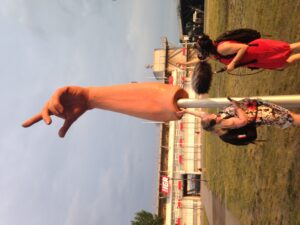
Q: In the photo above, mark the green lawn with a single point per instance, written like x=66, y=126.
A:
x=204, y=220
x=260, y=183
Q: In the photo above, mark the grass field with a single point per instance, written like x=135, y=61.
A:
x=204, y=219
x=260, y=183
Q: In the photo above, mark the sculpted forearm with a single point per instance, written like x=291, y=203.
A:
x=151, y=101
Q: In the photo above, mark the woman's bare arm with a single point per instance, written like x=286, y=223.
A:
x=236, y=122
x=228, y=48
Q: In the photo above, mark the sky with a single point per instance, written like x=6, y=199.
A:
x=105, y=169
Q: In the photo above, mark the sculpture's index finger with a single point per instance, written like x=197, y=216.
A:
x=32, y=120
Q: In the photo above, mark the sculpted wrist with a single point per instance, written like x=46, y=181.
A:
x=89, y=97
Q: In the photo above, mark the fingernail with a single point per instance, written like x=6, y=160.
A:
x=61, y=134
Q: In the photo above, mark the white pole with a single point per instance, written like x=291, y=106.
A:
x=289, y=101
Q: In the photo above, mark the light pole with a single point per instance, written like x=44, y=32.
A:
x=289, y=101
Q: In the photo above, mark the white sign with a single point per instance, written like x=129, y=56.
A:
x=165, y=184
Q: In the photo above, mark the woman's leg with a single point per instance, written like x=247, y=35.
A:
x=295, y=47
x=293, y=58
x=296, y=118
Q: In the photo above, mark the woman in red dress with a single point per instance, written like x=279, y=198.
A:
x=260, y=53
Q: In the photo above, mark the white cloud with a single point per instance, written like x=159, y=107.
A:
x=74, y=215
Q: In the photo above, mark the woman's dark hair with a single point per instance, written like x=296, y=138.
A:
x=208, y=125
x=205, y=46
x=202, y=77
x=242, y=35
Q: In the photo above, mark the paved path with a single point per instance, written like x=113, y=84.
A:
x=216, y=211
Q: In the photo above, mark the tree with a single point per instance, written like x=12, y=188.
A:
x=146, y=218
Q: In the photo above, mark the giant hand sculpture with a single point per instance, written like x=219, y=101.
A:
x=152, y=101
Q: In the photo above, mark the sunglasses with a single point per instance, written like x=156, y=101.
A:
x=213, y=122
